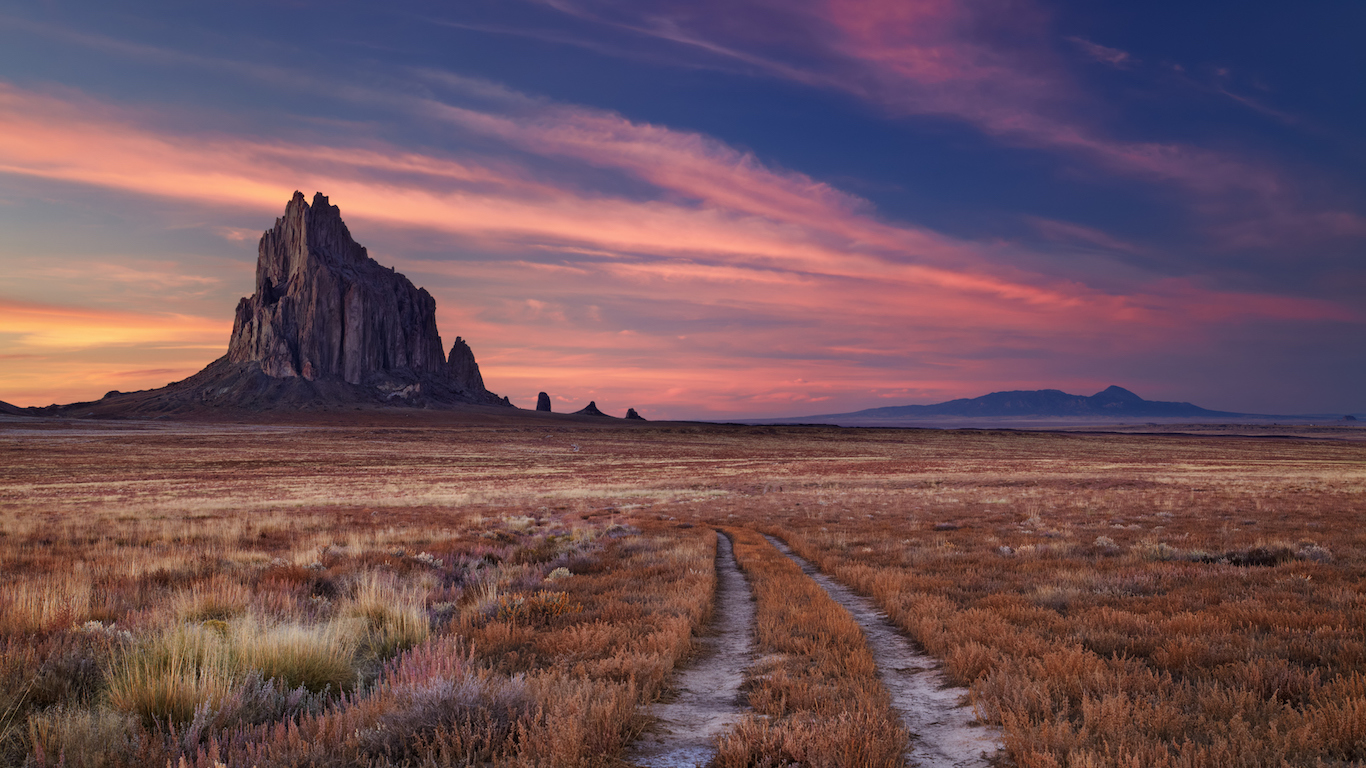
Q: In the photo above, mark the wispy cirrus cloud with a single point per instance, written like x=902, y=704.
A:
x=1112, y=56
x=995, y=67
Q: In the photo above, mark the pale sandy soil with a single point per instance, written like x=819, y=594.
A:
x=708, y=696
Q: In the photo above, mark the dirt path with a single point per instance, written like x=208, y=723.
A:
x=941, y=736
x=708, y=698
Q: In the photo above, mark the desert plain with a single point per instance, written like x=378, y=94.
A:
x=422, y=589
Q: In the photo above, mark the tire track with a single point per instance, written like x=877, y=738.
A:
x=709, y=699
x=940, y=724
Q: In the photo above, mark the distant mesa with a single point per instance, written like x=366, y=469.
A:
x=1108, y=404
x=590, y=410
x=543, y=402
x=327, y=326
x=631, y=414
x=12, y=410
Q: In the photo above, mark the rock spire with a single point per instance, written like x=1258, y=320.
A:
x=324, y=308
x=325, y=312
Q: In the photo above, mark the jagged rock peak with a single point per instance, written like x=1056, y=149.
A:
x=461, y=368
x=631, y=414
x=590, y=410
x=543, y=402
x=324, y=310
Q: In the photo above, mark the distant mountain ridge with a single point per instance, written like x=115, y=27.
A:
x=1113, y=401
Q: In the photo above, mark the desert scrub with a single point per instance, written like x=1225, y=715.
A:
x=168, y=677
x=566, y=693
x=83, y=738
x=817, y=685
x=539, y=608
x=1102, y=656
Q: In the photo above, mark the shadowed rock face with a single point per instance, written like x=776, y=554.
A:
x=461, y=369
x=631, y=414
x=543, y=402
x=324, y=309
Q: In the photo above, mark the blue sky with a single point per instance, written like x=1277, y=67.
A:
x=709, y=209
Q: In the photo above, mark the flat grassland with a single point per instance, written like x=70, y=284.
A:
x=517, y=594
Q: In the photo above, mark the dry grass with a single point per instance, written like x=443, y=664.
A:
x=143, y=623
x=394, y=595
x=394, y=619
x=168, y=677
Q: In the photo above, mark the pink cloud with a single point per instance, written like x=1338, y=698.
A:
x=733, y=286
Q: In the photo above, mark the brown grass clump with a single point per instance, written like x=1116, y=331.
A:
x=83, y=738
x=394, y=619
x=320, y=657
x=217, y=599
x=44, y=604
x=538, y=608
x=817, y=683
x=166, y=679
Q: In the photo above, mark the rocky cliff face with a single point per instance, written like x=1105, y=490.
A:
x=462, y=370
x=329, y=326
x=324, y=309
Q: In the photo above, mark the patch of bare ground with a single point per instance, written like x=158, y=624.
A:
x=707, y=696
x=944, y=730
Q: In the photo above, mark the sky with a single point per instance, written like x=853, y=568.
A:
x=709, y=209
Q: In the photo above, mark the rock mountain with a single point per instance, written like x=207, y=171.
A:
x=1110, y=404
x=327, y=326
x=323, y=309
